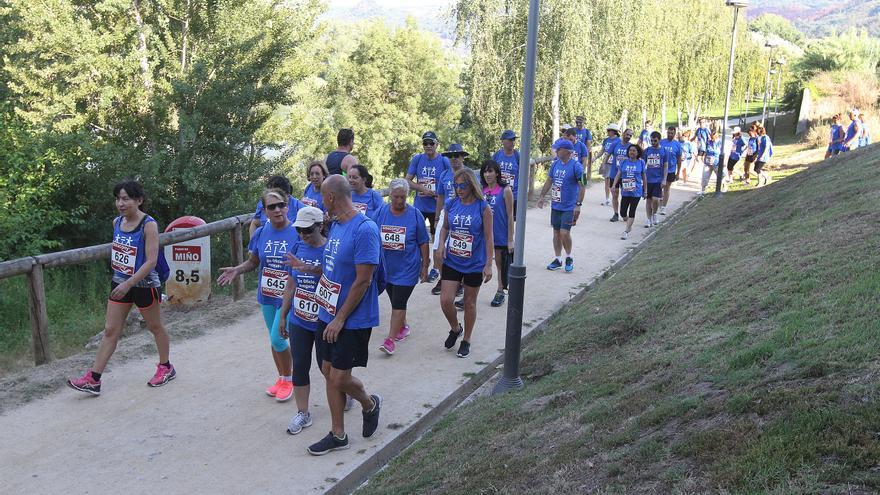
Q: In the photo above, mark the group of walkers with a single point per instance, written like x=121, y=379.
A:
x=856, y=134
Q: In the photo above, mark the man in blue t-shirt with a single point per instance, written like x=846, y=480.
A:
x=508, y=160
x=348, y=299
x=581, y=151
x=656, y=171
x=585, y=136
x=674, y=154
x=566, y=188
x=423, y=174
x=645, y=135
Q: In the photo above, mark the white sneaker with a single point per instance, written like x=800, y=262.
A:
x=654, y=220
x=649, y=224
x=298, y=422
x=625, y=235
x=349, y=402
x=662, y=210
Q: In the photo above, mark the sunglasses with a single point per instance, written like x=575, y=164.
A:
x=456, y=155
x=275, y=206
x=428, y=142
x=306, y=230
x=461, y=185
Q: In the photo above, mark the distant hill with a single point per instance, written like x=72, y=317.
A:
x=430, y=15
x=818, y=18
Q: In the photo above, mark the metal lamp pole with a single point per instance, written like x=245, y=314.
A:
x=722, y=158
x=771, y=45
x=510, y=379
x=780, y=62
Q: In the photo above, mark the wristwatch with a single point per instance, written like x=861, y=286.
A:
x=579, y=204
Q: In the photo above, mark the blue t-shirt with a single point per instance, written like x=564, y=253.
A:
x=583, y=135
x=355, y=242
x=631, y=184
x=312, y=197
x=713, y=149
x=673, y=153
x=509, y=168
x=645, y=135
x=271, y=245
x=851, y=132
x=619, y=155
x=580, y=151
x=466, y=246
x=293, y=206
x=401, y=237
x=368, y=202
x=608, y=147
x=702, y=135
x=427, y=173
x=128, y=254
x=654, y=160
x=752, y=146
x=565, y=187
x=739, y=145
x=304, y=305
x=687, y=151
x=765, y=149
x=495, y=198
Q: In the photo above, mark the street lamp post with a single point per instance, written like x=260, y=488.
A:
x=771, y=45
x=510, y=379
x=780, y=62
x=736, y=4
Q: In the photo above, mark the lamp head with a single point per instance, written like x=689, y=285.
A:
x=739, y=4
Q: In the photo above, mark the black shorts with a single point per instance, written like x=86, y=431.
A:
x=759, y=166
x=654, y=190
x=142, y=297
x=701, y=153
x=612, y=183
x=431, y=217
x=671, y=177
x=301, y=343
x=731, y=162
x=399, y=295
x=469, y=279
x=750, y=159
x=351, y=349
x=628, y=205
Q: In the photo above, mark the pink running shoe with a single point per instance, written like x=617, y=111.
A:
x=284, y=392
x=85, y=384
x=387, y=347
x=164, y=374
x=271, y=391
x=402, y=334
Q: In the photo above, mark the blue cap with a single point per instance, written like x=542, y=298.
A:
x=430, y=135
x=508, y=134
x=563, y=144
x=455, y=149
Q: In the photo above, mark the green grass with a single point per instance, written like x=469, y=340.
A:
x=744, y=360
x=76, y=299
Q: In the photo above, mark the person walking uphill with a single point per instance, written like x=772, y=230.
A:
x=456, y=154
x=566, y=188
x=268, y=249
x=134, y=254
x=423, y=175
x=348, y=297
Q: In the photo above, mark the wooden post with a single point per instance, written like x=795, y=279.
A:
x=36, y=292
x=237, y=259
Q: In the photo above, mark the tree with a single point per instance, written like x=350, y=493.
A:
x=771, y=25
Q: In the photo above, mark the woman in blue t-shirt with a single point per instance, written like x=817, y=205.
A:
x=710, y=160
x=134, y=253
x=299, y=325
x=404, y=240
x=688, y=151
x=466, y=249
x=606, y=159
x=363, y=197
x=268, y=250
x=631, y=180
x=500, y=198
x=763, y=155
x=316, y=173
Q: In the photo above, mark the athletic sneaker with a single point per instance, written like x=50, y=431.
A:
x=298, y=422
x=452, y=337
x=433, y=275
x=284, y=392
x=649, y=224
x=554, y=265
x=402, y=334
x=498, y=300
x=387, y=347
x=349, y=403
x=615, y=218
x=460, y=291
x=274, y=388
x=460, y=304
x=662, y=210
x=654, y=220
x=164, y=374
x=436, y=289
x=464, y=349
x=605, y=203
x=328, y=444
x=625, y=235
x=569, y=264
x=88, y=384
x=371, y=418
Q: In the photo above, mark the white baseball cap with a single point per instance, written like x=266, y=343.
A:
x=737, y=130
x=308, y=216
x=613, y=127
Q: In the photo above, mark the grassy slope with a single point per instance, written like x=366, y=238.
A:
x=737, y=352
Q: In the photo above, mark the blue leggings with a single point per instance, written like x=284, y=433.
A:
x=272, y=314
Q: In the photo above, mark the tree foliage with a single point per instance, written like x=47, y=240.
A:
x=775, y=25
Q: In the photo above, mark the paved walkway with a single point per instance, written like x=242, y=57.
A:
x=213, y=430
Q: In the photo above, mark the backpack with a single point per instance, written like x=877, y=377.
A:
x=162, y=268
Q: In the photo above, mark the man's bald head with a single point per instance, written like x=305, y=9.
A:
x=337, y=194
x=336, y=184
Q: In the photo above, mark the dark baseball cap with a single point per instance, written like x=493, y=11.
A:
x=430, y=135
x=508, y=134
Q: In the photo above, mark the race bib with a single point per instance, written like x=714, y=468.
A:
x=556, y=193
x=305, y=305
x=361, y=207
x=461, y=244
x=654, y=162
x=428, y=183
x=309, y=202
x=393, y=237
x=628, y=185
x=508, y=177
x=122, y=258
x=328, y=294
x=273, y=282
